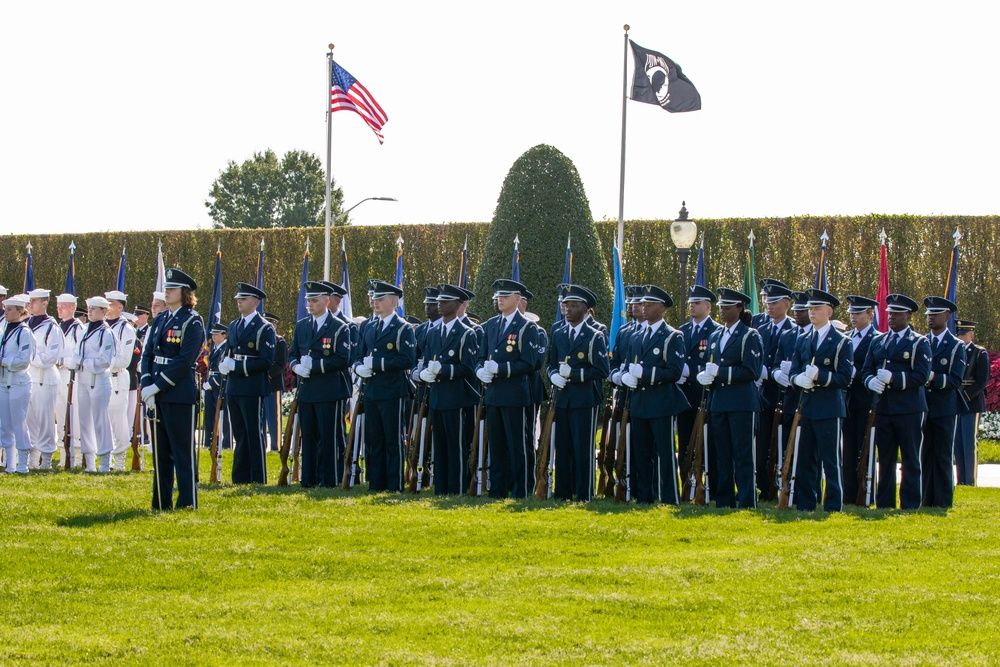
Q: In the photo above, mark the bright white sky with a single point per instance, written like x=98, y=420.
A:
x=118, y=115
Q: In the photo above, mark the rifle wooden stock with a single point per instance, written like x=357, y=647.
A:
x=607, y=422
x=864, y=480
x=286, y=442
x=621, y=487
x=786, y=471
x=409, y=442
x=418, y=436
x=694, y=482
x=544, y=447
x=772, y=457
x=477, y=451
x=67, y=422
x=350, y=451
x=610, y=446
x=136, y=430
x=215, y=475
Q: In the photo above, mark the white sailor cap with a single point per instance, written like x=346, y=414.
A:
x=116, y=295
x=129, y=317
x=39, y=293
x=162, y=296
x=98, y=302
x=3, y=291
x=19, y=300
x=66, y=297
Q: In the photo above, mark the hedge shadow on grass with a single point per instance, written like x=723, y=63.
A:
x=102, y=518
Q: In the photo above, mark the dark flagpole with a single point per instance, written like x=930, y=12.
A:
x=329, y=144
x=621, y=182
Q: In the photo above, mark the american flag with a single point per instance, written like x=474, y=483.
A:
x=347, y=94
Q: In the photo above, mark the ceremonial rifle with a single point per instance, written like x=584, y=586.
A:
x=357, y=432
x=607, y=422
x=136, y=431
x=418, y=437
x=791, y=453
x=866, y=464
x=215, y=475
x=773, y=458
x=477, y=451
x=286, y=441
x=623, y=461
x=695, y=461
x=68, y=431
x=545, y=445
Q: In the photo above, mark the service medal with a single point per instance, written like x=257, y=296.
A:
x=326, y=353
x=388, y=346
x=579, y=355
x=250, y=345
x=510, y=348
x=826, y=362
x=906, y=355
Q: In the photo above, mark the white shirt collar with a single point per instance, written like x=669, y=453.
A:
x=863, y=332
x=321, y=319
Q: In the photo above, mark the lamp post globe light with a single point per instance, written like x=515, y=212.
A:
x=683, y=233
x=326, y=254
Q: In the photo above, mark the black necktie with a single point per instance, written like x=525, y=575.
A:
x=240, y=327
x=695, y=331
x=891, y=347
x=572, y=336
x=934, y=344
x=815, y=341
x=315, y=326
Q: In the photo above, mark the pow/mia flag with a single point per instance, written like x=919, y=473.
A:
x=659, y=80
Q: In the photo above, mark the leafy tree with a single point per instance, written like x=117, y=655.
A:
x=263, y=192
x=542, y=202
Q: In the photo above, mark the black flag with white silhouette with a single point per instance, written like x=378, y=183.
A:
x=659, y=80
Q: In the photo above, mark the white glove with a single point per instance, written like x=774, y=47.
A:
x=148, y=394
x=812, y=370
x=635, y=370
x=616, y=377
x=685, y=373
x=712, y=369
x=786, y=366
x=876, y=385
x=427, y=375
x=763, y=372
x=930, y=378
x=558, y=381
x=301, y=370
x=630, y=381
x=484, y=376
x=802, y=381
x=704, y=378
x=434, y=367
x=363, y=371
x=207, y=386
x=419, y=367
x=307, y=362
x=564, y=370
x=227, y=365
x=884, y=375
x=759, y=382
x=781, y=377
x=367, y=363
x=491, y=367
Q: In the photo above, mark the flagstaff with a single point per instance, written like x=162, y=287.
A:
x=621, y=175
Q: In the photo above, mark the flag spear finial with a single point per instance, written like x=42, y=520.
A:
x=957, y=235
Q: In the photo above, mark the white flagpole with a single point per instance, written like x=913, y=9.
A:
x=621, y=182
x=329, y=143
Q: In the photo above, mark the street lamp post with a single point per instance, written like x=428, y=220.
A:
x=326, y=254
x=683, y=233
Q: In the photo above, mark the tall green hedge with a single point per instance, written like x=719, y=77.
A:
x=786, y=248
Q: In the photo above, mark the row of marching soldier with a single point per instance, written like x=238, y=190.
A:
x=787, y=408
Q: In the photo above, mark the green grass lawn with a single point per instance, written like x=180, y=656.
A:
x=989, y=451
x=266, y=576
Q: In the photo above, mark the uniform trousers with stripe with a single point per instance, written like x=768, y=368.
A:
x=854, y=435
x=819, y=445
x=322, y=443
x=121, y=426
x=654, y=464
x=734, y=446
x=512, y=456
x=271, y=404
x=94, y=423
x=13, y=420
x=211, y=405
x=937, y=469
x=905, y=434
x=249, y=464
x=173, y=454
x=965, y=449
x=452, y=437
x=41, y=417
x=575, y=435
x=384, y=451
x=685, y=425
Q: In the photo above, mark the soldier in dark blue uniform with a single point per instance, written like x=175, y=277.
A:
x=777, y=301
x=388, y=354
x=320, y=355
x=212, y=387
x=977, y=376
x=655, y=363
x=696, y=332
x=781, y=368
x=896, y=368
x=251, y=343
x=170, y=392
x=762, y=318
x=944, y=404
x=276, y=385
x=619, y=363
x=450, y=374
x=859, y=399
x=577, y=366
x=822, y=366
x=506, y=362
x=538, y=393
x=732, y=369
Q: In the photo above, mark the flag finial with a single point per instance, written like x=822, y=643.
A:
x=702, y=244
x=307, y=244
x=399, y=241
x=466, y=246
x=218, y=247
x=343, y=243
x=824, y=238
x=29, y=247
x=262, y=245
x=568, y=235
x=517, y=241
x=751, y=237
x=883, y=236
x=72, y=246
x=957, y=235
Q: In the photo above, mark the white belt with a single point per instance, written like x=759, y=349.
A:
x=163, y=361
x=242, y=357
